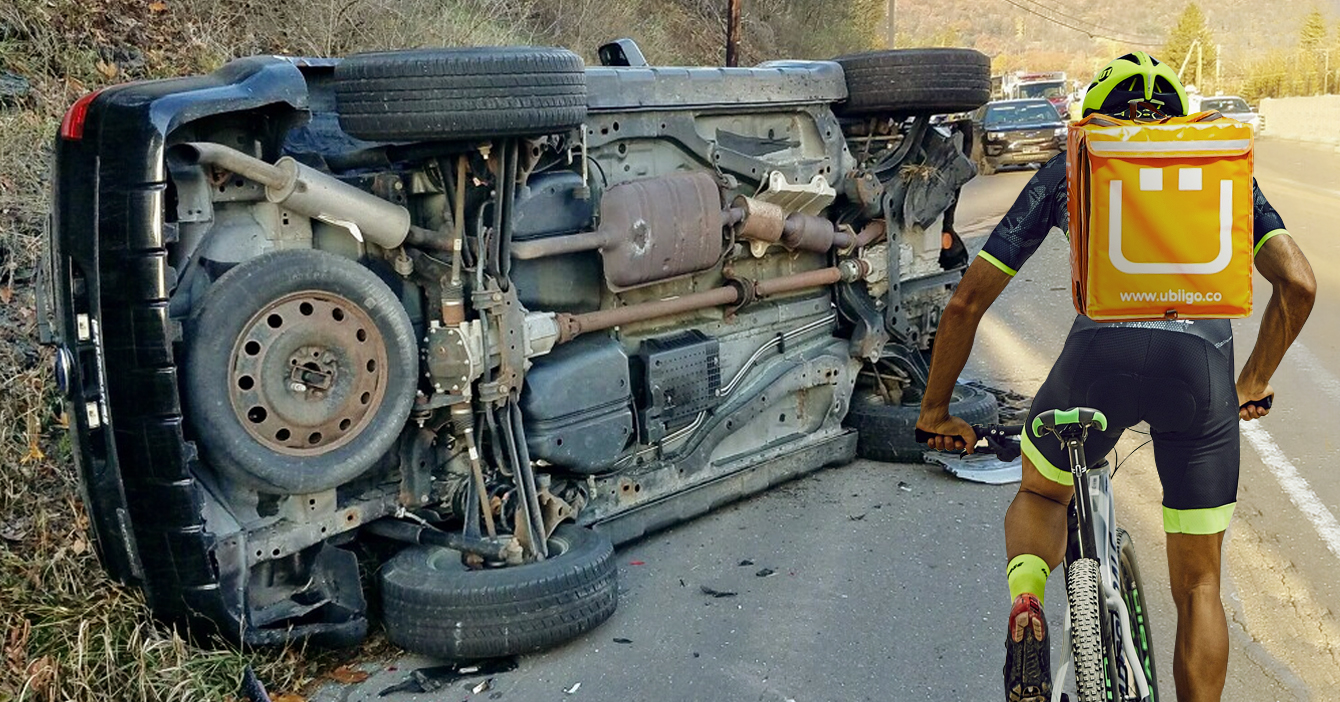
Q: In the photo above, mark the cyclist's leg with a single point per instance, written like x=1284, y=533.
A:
x=1200, y=654
x=1035, y=525
x=1197, y=455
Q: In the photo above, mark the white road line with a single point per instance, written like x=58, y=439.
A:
x=1303, y=357
x=1299, y=492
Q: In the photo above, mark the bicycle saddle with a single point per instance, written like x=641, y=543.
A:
x=1082, y=417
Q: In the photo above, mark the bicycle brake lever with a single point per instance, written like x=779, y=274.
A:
x=1007, y=451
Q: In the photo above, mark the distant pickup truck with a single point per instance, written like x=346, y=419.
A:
x=475, y=315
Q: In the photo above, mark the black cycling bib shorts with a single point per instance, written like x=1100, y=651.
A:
x=1177, y=376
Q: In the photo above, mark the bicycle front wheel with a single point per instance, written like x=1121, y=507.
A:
x=1086, y=636
x=1132, y=592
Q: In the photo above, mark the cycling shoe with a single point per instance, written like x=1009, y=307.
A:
x=1028, y=670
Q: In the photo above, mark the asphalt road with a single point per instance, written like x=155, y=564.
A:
x=889, y=578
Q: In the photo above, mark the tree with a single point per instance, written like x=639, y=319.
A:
x=1190, y=28
x=1311, y=53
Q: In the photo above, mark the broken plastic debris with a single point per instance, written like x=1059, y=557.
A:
x=766, y=573
x=573, y=690
x=979, y=468
x=904, y=486
x=439, y=676
x=746, y=562
x=484, y=686
x=856, y=517
x=717, y=593
x=637, y=563
x=622, y=640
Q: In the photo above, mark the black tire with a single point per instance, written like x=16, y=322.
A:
x=230, y=308
x=1086, y=636
x=915, y=81
x=434, y=606
x=1132, y=592
x=888, y=432
x=446, y=94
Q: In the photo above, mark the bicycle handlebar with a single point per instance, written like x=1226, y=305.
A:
x=998, y=439
x=1263, y=403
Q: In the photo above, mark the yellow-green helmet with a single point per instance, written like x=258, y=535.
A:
x=1135, y=77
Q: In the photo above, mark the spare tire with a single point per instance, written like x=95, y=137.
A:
x=915, y=81
x=433, y=605
x=888, y=432
x=447, y=94
x=300, y=370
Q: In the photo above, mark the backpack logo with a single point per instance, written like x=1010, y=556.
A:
x=1189, y=179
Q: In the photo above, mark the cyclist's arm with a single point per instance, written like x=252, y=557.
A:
x=981, y=285
x=1293, y=289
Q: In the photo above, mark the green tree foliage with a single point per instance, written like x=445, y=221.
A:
x=1311, y=54
x=1310, y=67
x=1191, y=27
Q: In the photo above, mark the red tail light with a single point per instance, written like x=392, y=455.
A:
x=72, y=127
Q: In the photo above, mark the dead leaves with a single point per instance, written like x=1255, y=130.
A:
x=16, y=645
x=108, y=69
x=347, y=676
x=288, y=697
x=158, y=8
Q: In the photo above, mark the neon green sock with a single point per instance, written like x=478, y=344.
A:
x=1027, y=573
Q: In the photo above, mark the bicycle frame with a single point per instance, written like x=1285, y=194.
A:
x=1094, y=535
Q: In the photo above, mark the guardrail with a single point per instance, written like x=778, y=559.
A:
x=1315, y=119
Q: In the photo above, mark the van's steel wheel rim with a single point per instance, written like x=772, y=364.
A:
x=307, y=373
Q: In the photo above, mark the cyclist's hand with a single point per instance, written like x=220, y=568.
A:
x=1253, y=395
x=957, y=434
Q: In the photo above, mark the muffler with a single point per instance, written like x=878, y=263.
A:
x=310, y=192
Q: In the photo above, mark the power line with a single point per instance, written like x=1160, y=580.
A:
x=1096, y=32
x=1082, y=20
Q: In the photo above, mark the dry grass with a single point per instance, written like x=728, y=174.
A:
x=66, y=631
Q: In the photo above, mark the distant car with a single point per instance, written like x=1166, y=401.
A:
x=1018, y=133
x=1234, y=107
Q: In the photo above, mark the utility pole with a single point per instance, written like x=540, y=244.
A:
x=892, y=27
x=1218, y=61
x=733, y=33
x=1200, y=63
x=1326, y=77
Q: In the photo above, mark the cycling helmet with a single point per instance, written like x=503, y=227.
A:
x=1134, y=79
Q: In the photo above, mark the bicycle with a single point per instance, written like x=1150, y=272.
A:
x=1106, y=626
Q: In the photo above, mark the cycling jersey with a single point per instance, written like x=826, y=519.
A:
x=1175, y=375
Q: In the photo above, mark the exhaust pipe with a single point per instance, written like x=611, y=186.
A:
x=310, y=192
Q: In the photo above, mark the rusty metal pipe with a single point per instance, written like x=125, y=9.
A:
x=570, y=326
x=870, y=233
x=573, y=325
x=310, y=192
x=558, y=245
x=798, y=281
x=230, y=159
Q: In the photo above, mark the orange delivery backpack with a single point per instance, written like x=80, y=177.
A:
x=1160, y=217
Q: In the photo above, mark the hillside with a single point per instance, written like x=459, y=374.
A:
x=1016, y=38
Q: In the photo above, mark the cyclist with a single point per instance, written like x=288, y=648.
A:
x=1177, y=376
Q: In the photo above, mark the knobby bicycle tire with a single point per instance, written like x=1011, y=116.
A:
x=1086, y=635
x=1132, y=592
